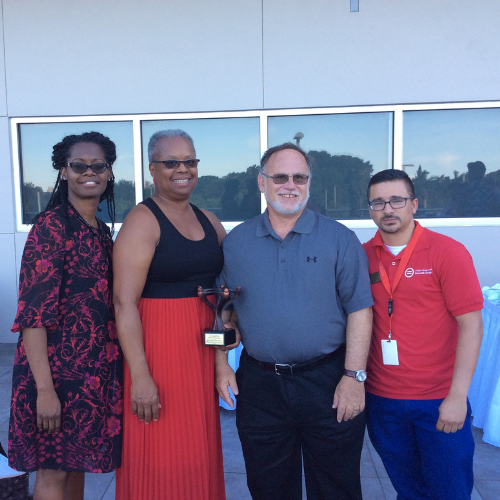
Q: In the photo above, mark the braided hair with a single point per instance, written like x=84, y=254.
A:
x=60, y=155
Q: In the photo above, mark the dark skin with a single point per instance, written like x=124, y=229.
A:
x=84, y=191
x=132, y=255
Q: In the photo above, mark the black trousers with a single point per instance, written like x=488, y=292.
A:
x=284, y=419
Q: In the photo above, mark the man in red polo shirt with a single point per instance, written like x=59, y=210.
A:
x=427, y=331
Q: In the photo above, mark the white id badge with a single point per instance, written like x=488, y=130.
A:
x=390, y=352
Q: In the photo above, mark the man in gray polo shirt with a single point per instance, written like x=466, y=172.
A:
x=305, y=320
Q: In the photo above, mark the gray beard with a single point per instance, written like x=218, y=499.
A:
x=284, y=211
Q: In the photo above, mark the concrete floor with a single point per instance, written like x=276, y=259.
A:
x=375, y=483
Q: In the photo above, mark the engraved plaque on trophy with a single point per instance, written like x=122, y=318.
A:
x=219, y=336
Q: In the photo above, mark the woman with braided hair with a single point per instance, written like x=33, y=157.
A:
x=66, y=400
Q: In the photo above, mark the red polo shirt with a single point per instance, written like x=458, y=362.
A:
x=439, y=283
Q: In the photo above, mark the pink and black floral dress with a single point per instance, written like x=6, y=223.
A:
x=65, y=286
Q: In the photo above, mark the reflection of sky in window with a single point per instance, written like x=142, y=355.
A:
x=442, y=141
x=223, y=145
x=37, y=140
x=365, y=135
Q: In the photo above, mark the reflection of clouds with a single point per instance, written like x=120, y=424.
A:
x=124, y=157
x=472, y=134
x=362, y=135
x=440, y=164
x=449, y=162
x=37, y=140
x=224, y=145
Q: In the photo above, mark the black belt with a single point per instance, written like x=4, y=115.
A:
x=293, y=368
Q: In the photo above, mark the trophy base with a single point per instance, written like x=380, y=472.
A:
x=221, y=338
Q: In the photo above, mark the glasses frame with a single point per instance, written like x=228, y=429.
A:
x=92, y=167
x=370, y=203
x=300, y=176
x=178, y=163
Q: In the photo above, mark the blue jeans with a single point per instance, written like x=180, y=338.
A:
x=422, y=462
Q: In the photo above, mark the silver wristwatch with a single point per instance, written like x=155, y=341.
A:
x=359, y=375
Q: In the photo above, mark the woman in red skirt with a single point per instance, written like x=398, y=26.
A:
x=166, y=248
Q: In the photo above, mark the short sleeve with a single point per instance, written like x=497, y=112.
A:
x=353, y=281
x=459, y=283
x=41, y=274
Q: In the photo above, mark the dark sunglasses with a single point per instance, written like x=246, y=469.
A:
x=176, y=163
x=299, y=179
x=79, y=168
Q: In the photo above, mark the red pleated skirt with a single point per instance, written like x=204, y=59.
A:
x=179, y=457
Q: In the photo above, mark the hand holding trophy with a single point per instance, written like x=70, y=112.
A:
x=224, y=297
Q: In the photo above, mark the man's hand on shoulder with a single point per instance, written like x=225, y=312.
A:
x=452, y=413
x=349, y=398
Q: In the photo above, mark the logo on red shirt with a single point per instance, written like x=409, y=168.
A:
x=409, y=272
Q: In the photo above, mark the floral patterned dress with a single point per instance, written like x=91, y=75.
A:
x=65, y=286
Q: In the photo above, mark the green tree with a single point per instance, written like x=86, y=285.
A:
x=34, y=201
x=338, y=187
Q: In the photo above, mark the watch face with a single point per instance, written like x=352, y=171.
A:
x=360, y=375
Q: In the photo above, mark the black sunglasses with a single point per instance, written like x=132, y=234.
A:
x=79, y=168
x=175, y=163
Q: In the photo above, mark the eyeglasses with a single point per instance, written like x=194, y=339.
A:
x=175, y=163
x=395, y=203
x=79, y=168
x=299, y=179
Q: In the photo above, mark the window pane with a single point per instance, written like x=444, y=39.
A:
x=347, y=150
x=38, y=177
x=453, y=157
x=229, y=152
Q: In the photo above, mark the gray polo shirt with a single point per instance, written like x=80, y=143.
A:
x=296, y=292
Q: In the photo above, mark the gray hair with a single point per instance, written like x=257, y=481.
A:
x=281, y=147
x=153, y=142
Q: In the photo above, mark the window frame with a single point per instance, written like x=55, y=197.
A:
x=397, y=147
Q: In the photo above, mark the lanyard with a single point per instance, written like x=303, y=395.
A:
x=401, y=269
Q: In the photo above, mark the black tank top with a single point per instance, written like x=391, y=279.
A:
x=179, y=264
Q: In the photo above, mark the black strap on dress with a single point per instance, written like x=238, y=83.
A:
x=180, y=265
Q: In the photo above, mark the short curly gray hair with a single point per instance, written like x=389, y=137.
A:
x=153, y=142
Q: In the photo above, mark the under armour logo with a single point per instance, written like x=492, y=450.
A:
x=312, y=259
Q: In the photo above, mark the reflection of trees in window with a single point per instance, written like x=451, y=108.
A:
x=338, y=189
x=338, y=186
x=431, y=192
x=468, y=194
x=35, y=200
x=233, y=197
x=124, y=199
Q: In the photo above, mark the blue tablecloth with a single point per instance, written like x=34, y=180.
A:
x=484, y=392
x=233, y=358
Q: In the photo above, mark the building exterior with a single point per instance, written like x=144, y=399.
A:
x=412, y=85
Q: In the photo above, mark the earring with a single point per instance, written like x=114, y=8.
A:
x=154, y=180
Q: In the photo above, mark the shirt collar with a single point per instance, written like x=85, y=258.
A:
x=304, y=224
x=423, y=241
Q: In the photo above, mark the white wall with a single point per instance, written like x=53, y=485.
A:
x=8, y=287
x=391, y=51
x=8, y=271
x=84, y=57
x=132, y=56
